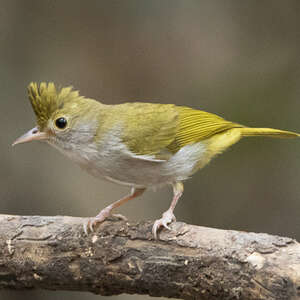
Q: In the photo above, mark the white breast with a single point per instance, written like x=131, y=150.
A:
x=112, y=160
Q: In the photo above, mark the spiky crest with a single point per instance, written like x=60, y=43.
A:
x=46, y=100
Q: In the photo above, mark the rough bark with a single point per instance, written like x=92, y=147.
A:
x=190, y=262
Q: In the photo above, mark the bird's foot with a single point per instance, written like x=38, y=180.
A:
x=101, y=217
x=120, y=217
x=167, y=218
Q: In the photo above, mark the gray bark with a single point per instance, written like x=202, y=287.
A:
x=189, y=262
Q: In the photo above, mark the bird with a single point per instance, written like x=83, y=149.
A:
x=139, y=145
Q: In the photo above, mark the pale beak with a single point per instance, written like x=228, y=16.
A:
x=32, y=135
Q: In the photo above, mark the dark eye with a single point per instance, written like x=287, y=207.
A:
x=61, y=123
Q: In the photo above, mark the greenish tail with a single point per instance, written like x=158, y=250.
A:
x=276, y=133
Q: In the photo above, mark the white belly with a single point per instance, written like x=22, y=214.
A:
x=111, y=160
x=140, y=171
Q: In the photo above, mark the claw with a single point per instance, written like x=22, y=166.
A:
x=89, y=225
x=104, y=213
x=167, y=218
x=85, y=227
x=119, y=216
x=91, y=222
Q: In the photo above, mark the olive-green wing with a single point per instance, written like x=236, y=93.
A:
x=163, y=129
x=196, y=125
x=148, y=128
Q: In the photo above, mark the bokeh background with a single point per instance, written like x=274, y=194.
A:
x=239, y=59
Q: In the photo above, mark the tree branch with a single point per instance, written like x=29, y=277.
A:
x=190, y=262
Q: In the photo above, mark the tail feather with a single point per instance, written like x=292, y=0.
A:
x=276, y=133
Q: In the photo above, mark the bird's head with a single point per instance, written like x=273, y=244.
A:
x=63, y=117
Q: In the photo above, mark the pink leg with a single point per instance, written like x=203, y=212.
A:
x=105, y=212
x=168, y=216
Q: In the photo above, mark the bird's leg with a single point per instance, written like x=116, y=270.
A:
x=105, y=212
x=168, y=216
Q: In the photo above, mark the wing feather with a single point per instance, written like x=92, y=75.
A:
x=197, y=125
x=162, y=129
x=149, y=128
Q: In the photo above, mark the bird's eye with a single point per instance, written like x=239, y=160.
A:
x=61, y=123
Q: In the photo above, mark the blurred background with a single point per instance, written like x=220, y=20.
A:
x=239, y=59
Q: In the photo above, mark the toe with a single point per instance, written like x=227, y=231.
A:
x=154, y=230
x=156, y=226
x=91, y=224
x=119, y=216
x=165, y=224
x=85, y=227
x=167, y=218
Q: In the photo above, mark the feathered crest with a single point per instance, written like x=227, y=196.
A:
x=46, y=100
